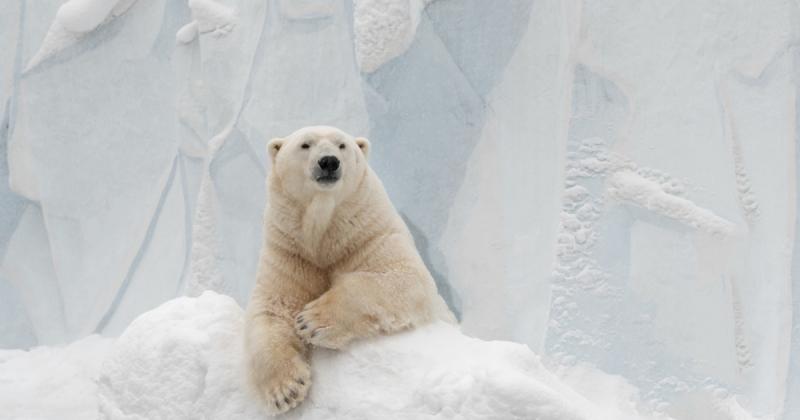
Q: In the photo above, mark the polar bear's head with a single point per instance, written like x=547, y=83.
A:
x=318, y=159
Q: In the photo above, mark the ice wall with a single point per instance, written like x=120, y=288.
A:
x=606, y=182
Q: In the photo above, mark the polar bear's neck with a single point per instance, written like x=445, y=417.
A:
x=316, y=219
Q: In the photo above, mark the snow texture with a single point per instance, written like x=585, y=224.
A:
x=612, y=183
x=185, y=358
x=384, y=29
x=209, y=17
x=52, y=382
x=630, y=187
x=74, y=19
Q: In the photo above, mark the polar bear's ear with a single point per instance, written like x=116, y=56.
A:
x=363, y=144
x=273, y=146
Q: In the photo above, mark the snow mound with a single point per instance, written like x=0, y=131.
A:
x=52, y=382
x=185, y=358
x=176, y=361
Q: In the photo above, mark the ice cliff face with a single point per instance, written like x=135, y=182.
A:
x=607, y=182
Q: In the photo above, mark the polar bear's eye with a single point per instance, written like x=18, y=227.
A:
x=341, y=146
x=305, y=146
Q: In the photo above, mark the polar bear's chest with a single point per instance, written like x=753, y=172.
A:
x=315, y=221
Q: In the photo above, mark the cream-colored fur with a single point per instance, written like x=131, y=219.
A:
x=338, y=263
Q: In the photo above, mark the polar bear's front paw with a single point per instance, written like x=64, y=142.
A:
x=317, y=325
x=287, y=387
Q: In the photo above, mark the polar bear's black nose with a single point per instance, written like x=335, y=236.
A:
x=329, y=163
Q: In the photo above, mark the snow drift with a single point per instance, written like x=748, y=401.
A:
x=52, y=382
x=184, y=358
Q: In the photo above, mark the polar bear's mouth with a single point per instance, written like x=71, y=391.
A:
x=328, y=178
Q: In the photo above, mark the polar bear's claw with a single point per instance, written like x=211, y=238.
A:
x=286, y=391
x=317, y=327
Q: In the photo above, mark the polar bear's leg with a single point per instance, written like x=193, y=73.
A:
x=278, y=363
x=363, y=304
x=277, y=358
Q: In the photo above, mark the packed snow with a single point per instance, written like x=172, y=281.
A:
x=85, y=15
x=185, y=358
x=630, y=187
x=74, y=19
x=384, y=29
x=52, y=382
x=209, y=17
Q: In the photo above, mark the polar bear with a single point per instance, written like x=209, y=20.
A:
x=337, y=264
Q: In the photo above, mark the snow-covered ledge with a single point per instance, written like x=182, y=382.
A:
x=183, y=360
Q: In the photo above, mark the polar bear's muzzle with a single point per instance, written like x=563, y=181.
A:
x=327, y=170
